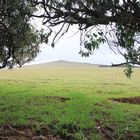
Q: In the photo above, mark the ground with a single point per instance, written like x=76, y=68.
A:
x=130, y=100
x=69, y=103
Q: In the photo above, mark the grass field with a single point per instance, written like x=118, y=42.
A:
x=86, y=113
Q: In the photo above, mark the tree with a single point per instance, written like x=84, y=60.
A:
x=19, y=41
x=117, y=22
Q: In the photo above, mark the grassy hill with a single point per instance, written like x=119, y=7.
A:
x=62, y=63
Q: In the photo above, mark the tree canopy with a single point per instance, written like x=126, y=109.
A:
x=19, y=41
x=116, y=22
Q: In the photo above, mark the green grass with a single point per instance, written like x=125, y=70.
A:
x=23, y=100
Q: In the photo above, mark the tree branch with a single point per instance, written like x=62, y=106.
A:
x=125, y=63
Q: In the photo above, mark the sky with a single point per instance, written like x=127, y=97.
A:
x=68, y=47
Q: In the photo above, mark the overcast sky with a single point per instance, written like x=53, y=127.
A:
x=68, y=49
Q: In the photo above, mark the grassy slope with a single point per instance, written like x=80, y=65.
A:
x=23, y=100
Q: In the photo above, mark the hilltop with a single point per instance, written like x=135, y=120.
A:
x=63, y=63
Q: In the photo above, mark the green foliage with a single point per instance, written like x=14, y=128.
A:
x=19, y=41
x=92, y=43
x=120, y=17
x=128, y=71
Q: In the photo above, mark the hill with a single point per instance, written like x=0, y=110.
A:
x=62, y=63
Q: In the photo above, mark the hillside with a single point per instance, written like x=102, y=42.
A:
x=62, y=63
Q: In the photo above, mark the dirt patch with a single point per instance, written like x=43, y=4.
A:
x=8, y=132
x=120, y=84
x=107, y=132
x=130, y=100
x=116, y=84
x=57, y=98
x=105, y=83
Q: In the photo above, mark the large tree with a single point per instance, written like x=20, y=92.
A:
x=19, y=41
x=116, y=22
